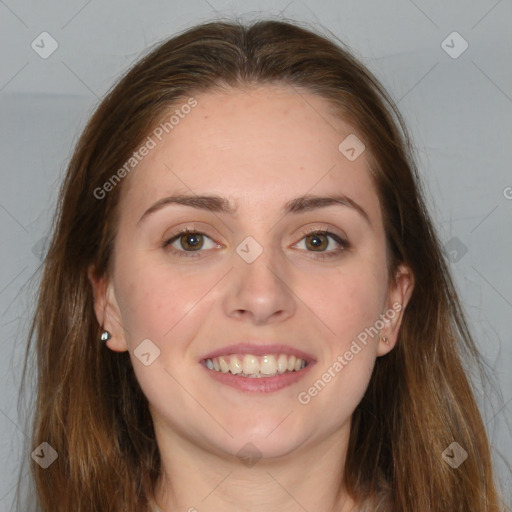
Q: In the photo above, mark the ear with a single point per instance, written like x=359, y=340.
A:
x=399, y=293
x=107, y=310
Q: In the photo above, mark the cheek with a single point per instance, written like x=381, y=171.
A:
x=349, y=300
x=337, y=390
x=160, y=305
x=154, y=298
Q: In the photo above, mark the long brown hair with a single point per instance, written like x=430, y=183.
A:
x=89, y=406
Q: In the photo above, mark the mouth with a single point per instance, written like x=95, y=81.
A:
x=252, y=366
x=258, y=368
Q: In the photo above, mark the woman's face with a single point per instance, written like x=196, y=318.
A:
x=254, y=280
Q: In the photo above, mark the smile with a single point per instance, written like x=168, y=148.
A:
x=252, y=366
x=255, y=366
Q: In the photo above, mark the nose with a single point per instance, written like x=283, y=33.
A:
x=260, y=292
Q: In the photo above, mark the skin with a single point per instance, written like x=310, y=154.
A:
x=259, y=148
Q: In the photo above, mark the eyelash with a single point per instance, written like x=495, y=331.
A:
x=322, y=255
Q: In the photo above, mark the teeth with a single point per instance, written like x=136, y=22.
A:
x=235, y=366
x=251, y=364
x=282, y=363
x=248, y=365
x=268, y=365
x=224, y=366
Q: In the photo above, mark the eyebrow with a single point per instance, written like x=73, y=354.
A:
x=218, y=204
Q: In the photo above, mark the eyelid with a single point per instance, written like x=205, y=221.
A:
x=327, y=230
x=168, y=241
x=322, y=228
x=341, y=240
x=192, y=227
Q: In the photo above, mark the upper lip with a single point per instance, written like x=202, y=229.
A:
x=259, y=349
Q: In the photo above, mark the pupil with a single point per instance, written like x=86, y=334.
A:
x=316, y=241
x=192, y=240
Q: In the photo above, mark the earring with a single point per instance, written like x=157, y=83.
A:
x=105, y=336
x=385, y=340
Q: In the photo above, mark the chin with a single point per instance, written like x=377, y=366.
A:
x=269, y=439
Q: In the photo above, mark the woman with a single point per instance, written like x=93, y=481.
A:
x=245, y=305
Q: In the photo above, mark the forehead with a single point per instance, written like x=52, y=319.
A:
x=259, y=145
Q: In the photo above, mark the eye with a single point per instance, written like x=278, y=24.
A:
x=319, y=241
x=188, y=241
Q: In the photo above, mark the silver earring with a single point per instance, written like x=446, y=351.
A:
x=105, y=336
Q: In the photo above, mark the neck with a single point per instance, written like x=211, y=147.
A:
x=194, y=478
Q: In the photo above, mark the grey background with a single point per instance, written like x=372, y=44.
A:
x=458, y=111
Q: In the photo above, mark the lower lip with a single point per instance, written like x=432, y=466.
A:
x=261, y=384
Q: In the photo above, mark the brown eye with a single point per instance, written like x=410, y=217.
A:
x=188, y=242
x=191, y=240
x=317, y=241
